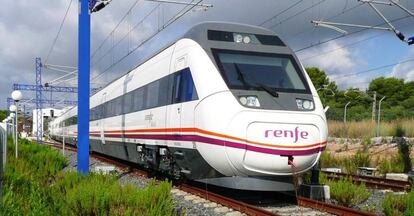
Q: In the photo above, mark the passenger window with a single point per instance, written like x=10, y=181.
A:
x=184, y=89
x=139, y=99
x=153, y=93
x=128, y=103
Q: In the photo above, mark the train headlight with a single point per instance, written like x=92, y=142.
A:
x=247, y=39
x=304, y=104
x=238, y=38
x=251, y=101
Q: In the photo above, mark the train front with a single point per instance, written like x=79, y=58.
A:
x=271, y=120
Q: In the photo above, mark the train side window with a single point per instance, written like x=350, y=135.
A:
x=152, y=94
x=128, y=103
x=177, y=88
x=184, y=88
x=139, y=99
x=118, y=105
x=163, y=93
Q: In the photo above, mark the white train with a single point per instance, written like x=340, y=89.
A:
x=226, y=104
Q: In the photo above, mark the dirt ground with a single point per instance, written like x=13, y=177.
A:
x=378, y=149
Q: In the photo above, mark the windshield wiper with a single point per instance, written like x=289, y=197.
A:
x=268, y=89
x=241, y=76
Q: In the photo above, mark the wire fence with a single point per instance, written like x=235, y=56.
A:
x=360, y=114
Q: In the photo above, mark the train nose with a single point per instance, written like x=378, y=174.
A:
x=275, y=147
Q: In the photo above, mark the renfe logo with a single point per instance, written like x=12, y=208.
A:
x=296, y=134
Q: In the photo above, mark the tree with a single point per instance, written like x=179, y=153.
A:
x=321, y=81
x=3, y=114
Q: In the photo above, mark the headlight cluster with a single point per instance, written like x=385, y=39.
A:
x=240, y=38
x=251, y=101
x=304, y=104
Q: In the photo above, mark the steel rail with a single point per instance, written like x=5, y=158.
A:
x=228, y=202
x=331, y=208
x=373, y=182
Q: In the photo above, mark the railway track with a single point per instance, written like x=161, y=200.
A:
x=228, y=202
x=373, y=182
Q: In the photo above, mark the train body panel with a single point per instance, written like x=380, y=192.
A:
x=227, y=104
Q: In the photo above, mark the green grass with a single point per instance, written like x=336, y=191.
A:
x=395, y=205
x=34, y=184
x=345, y=191
x=348, y=164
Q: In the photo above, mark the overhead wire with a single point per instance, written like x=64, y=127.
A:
x=59, y=31
x=296, y=14
x=348, y=45
x=283, y=11
x=345, y=35
x=332, y=17
x=374, y=69
x=180, y=14
x=113, y=30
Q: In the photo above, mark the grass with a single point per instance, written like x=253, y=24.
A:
x=345, y=191
x=348, y=164
x=366, y=128
x=34, y=184
x=395, y=205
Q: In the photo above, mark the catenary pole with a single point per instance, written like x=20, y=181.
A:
x=84, y=25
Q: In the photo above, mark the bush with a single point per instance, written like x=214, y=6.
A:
x=35, y=185
x=393, y=165
x=347, y=193
x=399, y=204
x=349, y=164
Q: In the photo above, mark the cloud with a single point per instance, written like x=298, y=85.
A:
x=336, y=62
x=405, y=70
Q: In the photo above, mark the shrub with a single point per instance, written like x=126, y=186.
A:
x=349, y=164
x=35, y=185
x=398, y=204
x=347, y=193
x=393, y=165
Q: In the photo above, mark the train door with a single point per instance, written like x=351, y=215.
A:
x=174, y=110
x=102, y=121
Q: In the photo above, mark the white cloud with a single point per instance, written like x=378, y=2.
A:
x=336, y=62
x=405, y=70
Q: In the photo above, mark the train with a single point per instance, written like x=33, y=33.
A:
x=226, y=104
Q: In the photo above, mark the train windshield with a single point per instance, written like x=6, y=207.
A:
x=260, y=71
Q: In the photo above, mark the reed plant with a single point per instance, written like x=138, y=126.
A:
x=367, y=128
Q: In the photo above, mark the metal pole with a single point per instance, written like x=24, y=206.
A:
x=84, y=38
x=15, y=130
x=345, y=111
x=374, y=104
x=64, y=135
x=379, y=116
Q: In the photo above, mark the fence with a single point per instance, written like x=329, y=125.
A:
x=359, y=113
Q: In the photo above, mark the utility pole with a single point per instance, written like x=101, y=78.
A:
x=84, y=40
x=346, y=106
x=374, y=104
x=86, y=7
x=379, y=117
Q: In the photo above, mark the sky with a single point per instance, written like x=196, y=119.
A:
x=29, y=28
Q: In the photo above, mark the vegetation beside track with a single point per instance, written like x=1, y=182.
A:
x=402, y=204
x=345, y=191
x=34, y=184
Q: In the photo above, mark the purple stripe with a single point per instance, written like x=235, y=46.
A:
x=208, y=140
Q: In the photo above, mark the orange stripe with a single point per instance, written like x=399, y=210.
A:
x=197, y=130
